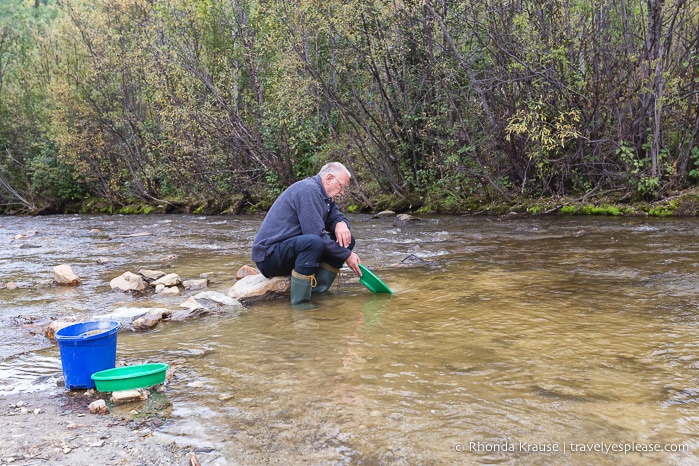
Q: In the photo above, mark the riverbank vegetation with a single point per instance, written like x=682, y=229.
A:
x=579, y=107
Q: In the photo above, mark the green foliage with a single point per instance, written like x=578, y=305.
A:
x=638, y=169
x=135, y=209
x=694, y=172
x=52, y=180
x=23, y=120
x=547, y=129
x=600, y=210
x=663, y=210
x=433, y=107
x=588, y=209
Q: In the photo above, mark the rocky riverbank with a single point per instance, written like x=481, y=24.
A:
x=46, y=427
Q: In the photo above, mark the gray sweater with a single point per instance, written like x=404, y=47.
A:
x=304, y=208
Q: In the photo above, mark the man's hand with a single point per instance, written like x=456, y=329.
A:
x=353, y=263
x=342, y=234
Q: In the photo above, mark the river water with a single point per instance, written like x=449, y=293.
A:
x=516, y=340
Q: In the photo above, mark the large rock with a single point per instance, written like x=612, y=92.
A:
x=127, y=315
x=151, y=275
x=206, y=302
x=128, y=281
x=55, y=326
x=151, y=319
x=171, y=279
x=246, y=270
x=258, y=288
x=63, y=275
x=217, y=297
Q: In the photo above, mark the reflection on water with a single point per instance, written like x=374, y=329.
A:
x=505, y=338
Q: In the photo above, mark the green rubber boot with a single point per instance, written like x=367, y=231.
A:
x=301, y=286
x=325, y=276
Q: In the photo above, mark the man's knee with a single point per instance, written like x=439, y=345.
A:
x=310, y=244
x=309, y=250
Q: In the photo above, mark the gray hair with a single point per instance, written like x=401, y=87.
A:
x=334, y=168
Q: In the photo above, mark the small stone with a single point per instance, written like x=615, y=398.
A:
x=197, y=384
x=225, y=397
x=37, y=411
x=63, y=275
x=67, y=450
x=98, y=407
x=403, y=219
x=170, y=290
x=197, y=284
x=128, y=282
x=126, y=396
x=25, y=235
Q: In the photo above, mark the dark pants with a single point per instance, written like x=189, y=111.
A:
x=302, y=253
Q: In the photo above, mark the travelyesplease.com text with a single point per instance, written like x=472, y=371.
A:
x=568, y=447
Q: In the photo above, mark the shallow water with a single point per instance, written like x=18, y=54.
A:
x=505, y=337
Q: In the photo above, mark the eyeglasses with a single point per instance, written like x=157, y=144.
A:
x=343, y=187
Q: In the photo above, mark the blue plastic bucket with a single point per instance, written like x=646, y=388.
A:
x=87, y=348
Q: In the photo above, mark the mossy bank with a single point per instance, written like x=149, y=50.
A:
x=679, y=204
